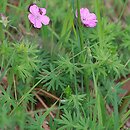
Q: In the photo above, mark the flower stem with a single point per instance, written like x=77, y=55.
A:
x=83, y=56
x=99, y=26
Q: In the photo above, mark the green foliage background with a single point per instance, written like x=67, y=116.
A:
x=80, y=65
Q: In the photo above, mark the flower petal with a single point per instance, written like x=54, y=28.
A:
x=45, y=19
x=34, y=9
x=92, y=16
x=31, y=18
x=91, y=24
x=84, y=11
x=37, y=24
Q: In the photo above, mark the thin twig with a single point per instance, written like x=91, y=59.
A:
x=48, y=94
x=15, y=89
x=42, y=102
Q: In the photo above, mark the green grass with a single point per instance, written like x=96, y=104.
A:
x=77, y=67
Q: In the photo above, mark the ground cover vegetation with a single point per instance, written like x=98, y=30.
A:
x=64, y=64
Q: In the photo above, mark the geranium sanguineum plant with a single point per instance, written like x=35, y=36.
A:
x=37, y=16
x=89, y=20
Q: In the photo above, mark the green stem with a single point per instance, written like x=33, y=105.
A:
x=2, y=10
x=52, y=43
x=121, y=14
x=99, y=25
x=79, y=29
x=53, y=32
x=2, y=36
x=98, y=101
x=97, y=92
x=116, y=115
x=75, y=82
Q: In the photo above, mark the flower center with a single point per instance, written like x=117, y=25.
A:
x=37, y=17
x=40, y=11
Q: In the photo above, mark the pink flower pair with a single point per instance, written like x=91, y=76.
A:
x=37, y=16
x=87, y=18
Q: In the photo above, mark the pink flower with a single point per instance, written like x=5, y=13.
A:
x=38, y=16
x=87, y=18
